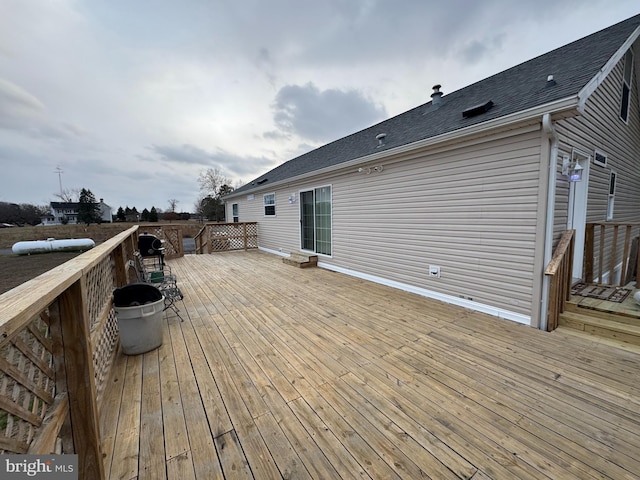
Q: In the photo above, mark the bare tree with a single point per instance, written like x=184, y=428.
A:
x=211, y=180
x=173, y=204
x=68, y=195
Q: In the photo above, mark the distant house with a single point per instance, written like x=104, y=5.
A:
x=67, y=212
x=464, y=198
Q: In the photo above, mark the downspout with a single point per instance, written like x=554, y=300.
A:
x=549, y=129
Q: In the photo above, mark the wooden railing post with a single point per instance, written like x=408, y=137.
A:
x=638, y=265
x=55, y=325
x=560, y=271
x=588, y=253
x=78, y=361
x=244, y=236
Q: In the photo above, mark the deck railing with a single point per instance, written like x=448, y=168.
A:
x=611, y=253
x=58, y=339
x=559, y=269
x=222, y=237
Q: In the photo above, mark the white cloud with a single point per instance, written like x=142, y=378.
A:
x=322, y=116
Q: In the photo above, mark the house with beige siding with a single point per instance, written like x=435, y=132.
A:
x=464, y=198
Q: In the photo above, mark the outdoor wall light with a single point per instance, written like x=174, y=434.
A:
x=572, y=169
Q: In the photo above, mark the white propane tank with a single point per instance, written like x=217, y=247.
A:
x=52, y=245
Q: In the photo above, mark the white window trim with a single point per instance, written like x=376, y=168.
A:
x=597, y=152
x=235, y=216
x=264, y=204
x=611, y=197
x=624, y=83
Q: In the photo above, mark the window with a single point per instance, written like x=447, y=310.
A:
x=626, y=86
x=612, y=194
x=315, y=220
x=234, y=213
x=270, y=205
x=600, y=158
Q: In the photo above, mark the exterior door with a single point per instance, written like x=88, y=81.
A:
x=307, y=224
x=315, y=220
x=577, y=218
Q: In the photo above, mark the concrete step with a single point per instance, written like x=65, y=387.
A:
x=604, y=326
x=301, y=260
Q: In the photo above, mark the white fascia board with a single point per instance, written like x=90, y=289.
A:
x=557, y=106
x=594, y=83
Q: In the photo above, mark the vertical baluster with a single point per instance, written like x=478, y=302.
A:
x=601, y=252
x=612, y=259
x=638, y=265
x=625, y=254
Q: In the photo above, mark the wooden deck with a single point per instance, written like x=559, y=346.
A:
x=279, y=372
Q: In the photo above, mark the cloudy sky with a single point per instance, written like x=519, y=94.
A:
x=132, y=99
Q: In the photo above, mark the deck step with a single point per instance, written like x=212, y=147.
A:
x=301, y=260
x=604, y=326
x=621, y=317
x=630, y=347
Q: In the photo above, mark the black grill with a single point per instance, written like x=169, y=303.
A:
x=150, y=245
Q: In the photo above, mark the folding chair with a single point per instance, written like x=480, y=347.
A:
x=154, y=271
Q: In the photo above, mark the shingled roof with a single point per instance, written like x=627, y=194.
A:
x=517, y=89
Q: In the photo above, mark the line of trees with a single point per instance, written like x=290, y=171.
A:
x=22, y=213
x=154, y=215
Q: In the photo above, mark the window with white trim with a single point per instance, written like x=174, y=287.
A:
x=626, y=86
x=234, y=213
x=600, y=158
x=269, y=204
x=613, y=176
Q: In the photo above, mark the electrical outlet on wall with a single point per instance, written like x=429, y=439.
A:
x=434, y=271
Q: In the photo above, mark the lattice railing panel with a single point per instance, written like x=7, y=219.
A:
x=252, y=235
x=100, y=285
x=106, y=341
x=232, y=236
x=27, y=384
x=172, y=237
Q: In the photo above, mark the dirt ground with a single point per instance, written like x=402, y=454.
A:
x=17, y=269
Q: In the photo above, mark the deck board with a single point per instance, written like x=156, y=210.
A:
x=278, y=372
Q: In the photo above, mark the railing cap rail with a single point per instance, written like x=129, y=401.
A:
x=558, y=254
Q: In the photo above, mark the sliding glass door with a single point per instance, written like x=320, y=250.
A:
x=315, y=220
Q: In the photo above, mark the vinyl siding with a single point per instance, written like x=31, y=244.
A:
x=601, y=128
x=471, y=209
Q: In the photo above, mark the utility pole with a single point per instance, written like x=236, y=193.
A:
x=59, y=171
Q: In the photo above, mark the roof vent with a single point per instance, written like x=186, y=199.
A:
x=550, y=81
x=477, y=109
x=260, y=182
x=380, y=137
x=436, y=96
